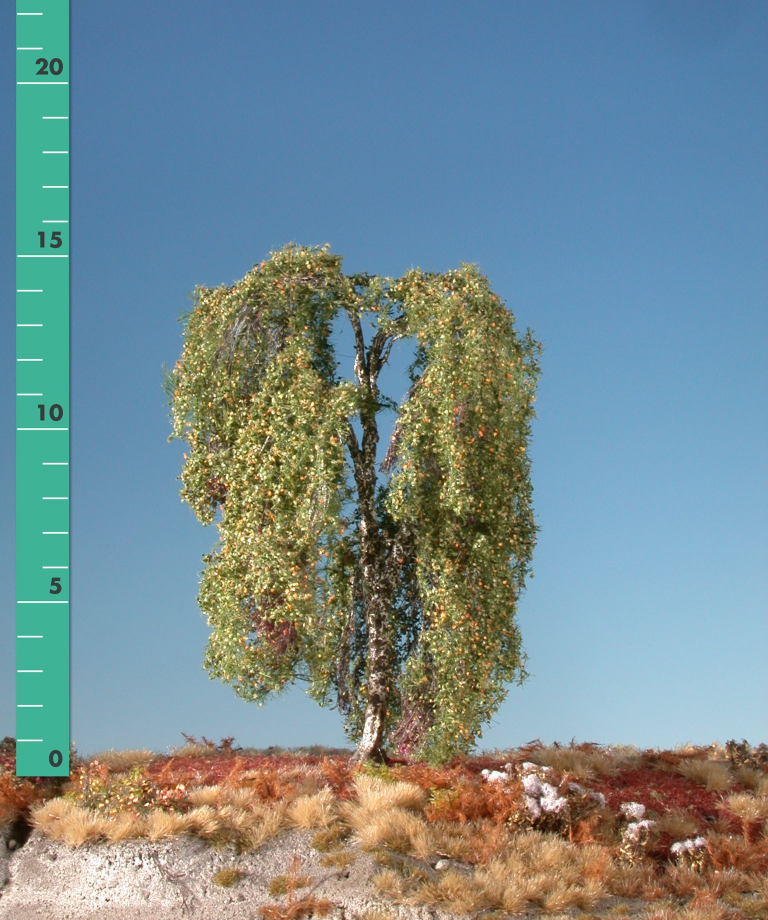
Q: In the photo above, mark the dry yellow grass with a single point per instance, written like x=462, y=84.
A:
x=65, y=821
x=269, y=826
x=628, y=881
x=311, y=811
x=387, y=814
x=748, y=807
x=218, y=796
x=374, y=794
x=456, y=841
x=679, y=824
x=391, y=884
x=163, y=825
x=453, y=891
x=750, y=777
x=340, y=859
x=192, y=750
x=711, y=774
x=395, y=829
x=582, y=764
x=544, y=871
x=247, y=828
x=123, y=760
x=126, y=826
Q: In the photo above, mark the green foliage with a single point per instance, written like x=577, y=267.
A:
x=95, y=788
x=380, y=771
x=267, y=422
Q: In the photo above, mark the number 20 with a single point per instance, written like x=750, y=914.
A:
x=55, y=64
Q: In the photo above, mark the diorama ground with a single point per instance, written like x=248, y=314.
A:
x=215, y=831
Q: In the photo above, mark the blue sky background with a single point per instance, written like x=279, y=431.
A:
x=603, y=163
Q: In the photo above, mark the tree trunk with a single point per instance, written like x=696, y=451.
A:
x=371, y=744
x=377, y=588
x=377, y=597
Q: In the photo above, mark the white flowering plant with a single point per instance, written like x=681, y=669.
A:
x=550, y=802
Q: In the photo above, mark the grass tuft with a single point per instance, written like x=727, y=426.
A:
x=226, y=878
x=330, y=838
x=711, y=774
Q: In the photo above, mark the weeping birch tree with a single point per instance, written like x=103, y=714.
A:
x=394, y=600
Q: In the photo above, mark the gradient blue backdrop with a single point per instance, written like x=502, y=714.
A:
x=603, y=163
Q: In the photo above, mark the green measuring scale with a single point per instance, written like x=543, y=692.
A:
x=42, y=388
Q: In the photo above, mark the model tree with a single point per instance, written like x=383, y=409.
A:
x=395, y=601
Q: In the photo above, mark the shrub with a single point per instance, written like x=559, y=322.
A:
x=95, y=788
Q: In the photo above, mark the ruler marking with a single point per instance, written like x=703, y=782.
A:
x=49, y=728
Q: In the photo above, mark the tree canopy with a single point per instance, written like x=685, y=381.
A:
x=395, y=601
